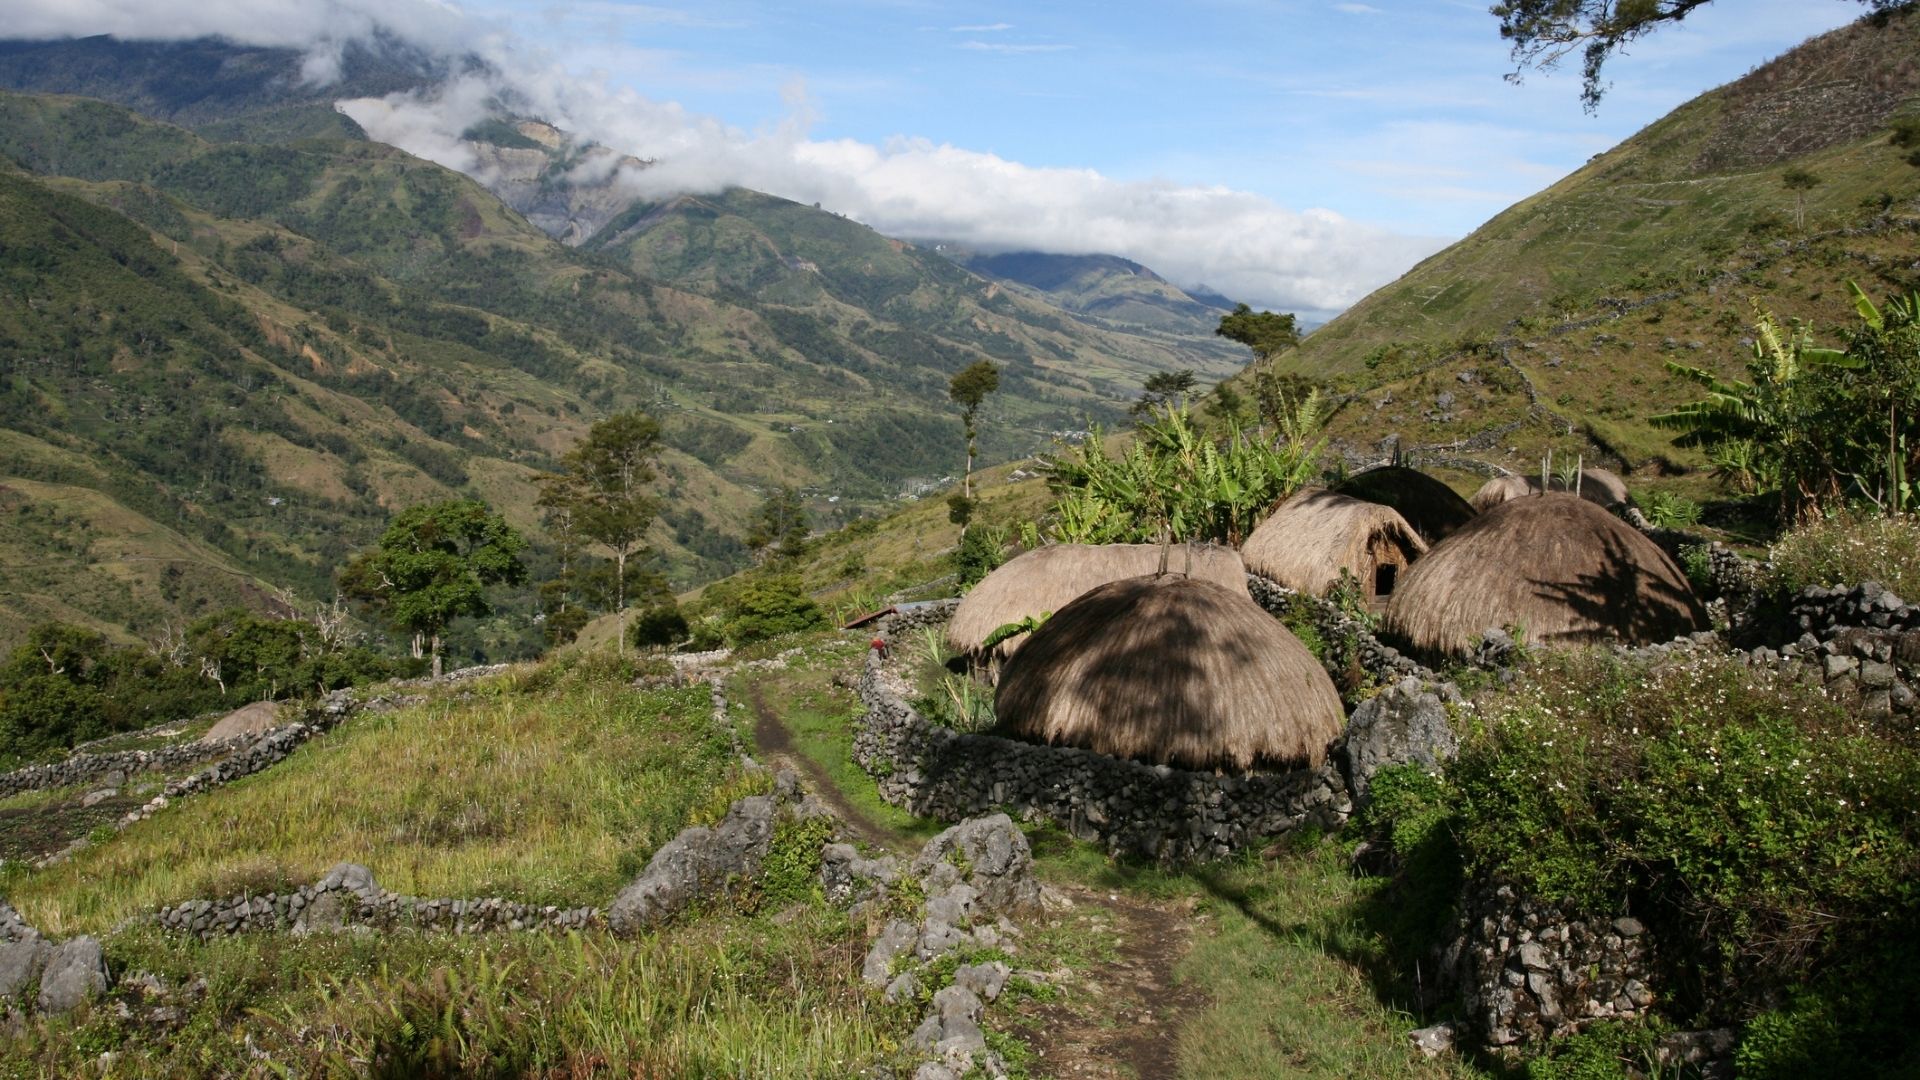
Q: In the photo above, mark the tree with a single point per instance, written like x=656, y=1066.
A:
x=434, y=564
x=969, y=388
x=1544, y=32
x=1266, y=333
x=604, y=490
x=780, y=526
x=1799, y=181
x=1164, y=388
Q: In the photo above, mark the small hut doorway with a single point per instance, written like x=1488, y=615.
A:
x=1384, y=576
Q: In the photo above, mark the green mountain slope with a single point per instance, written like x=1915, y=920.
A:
x=1106, y=287
x=1561, y=311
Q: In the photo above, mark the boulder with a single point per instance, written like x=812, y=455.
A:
x=1403, y=724
x=245, y=720
x=991, y=856
x=698, y=862
x=75, y=971
x=21, y=963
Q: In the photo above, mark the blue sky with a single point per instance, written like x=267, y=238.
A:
x=1390, y=112
x=1293, y=153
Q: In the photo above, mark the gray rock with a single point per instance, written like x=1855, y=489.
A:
x=845, y=877
x=352, y=878
x=75, y=971
x=903, y=987
x=934, y=1070
x=95, y=798
x=698, y=862
x=900, y=935
x=986, y=980
x=1401, y=725
x=1433, y=1041
x=21, y=963
x=993, y=858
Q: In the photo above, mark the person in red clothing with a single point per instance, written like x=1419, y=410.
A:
x=880, y=646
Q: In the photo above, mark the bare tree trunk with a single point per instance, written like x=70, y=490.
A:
x=437, y=662
x=620, y=600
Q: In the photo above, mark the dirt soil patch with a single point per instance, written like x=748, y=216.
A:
x=1119, y=1016
x=776, y=748
x=38, y=831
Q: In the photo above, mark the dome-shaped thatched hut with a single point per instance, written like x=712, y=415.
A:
x=1316, y=534
x=1048, y=578
x=1597, y=486
x=1433, y=509
x=1562, y=568
x=1171, y=670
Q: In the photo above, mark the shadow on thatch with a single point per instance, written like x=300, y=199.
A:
x=1561, y=568
x=1171, y=670
x=1433, y=509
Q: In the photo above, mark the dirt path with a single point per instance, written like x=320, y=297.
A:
x=1121, y=1015
x=1117, y=1016
x=775, y=746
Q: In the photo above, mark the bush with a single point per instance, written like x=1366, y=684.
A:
x=767, y=606
x=1669, y=511
x=657, y=627
x=1847, y=548
x=982, y=550
x=1749, y=816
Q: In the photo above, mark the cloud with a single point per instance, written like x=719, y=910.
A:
x=1312, y=261
x=1357, y=9
x=987, y=28
x=1012, y=48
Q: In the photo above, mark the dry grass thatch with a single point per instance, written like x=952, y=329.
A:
x=1431, y=507
x=1597, y=486
x=1316, y=534
x=1562, y=568
x=1171, y=670
x=1048, y=578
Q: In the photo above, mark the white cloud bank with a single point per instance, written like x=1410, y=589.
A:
x=1245, y=245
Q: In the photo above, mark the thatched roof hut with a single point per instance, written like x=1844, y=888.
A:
x=1598, y=486
x=1048, y=578
x=1171, y=670
x=1316, y=534
x=1431, y=507
x=1562, y=568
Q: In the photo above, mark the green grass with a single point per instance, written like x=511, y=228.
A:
x=548, y=794
x=726, y=996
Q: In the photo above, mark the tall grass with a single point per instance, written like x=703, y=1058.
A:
x=550, y=794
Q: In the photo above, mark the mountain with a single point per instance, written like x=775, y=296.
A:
x=226, y=361
x=1549, y=326
x=1112, y=289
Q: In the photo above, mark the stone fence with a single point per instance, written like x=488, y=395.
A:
x=349, y=896
x=1170, y=815
x=86, y=768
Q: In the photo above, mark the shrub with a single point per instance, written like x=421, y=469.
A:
x=1669, y=511
x=1847, y=548
x=1751, y=817
x=657, y=627
x=766, y=606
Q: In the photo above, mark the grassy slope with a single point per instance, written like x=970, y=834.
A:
x=1689, y=220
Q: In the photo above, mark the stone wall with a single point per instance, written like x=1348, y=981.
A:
x=1167, y=814
x=1528, y=970
x=348, y=896
x=1860, y=644
x=1349, y=642
x=87, y=768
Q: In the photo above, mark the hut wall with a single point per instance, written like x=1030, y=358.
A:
x=1171, y=815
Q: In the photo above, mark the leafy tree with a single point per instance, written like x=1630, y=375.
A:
x=780, y=526
x=968, y=389
x=1266, y=333
x=1544, y=32
x=1906, y=136
x=433, y=565
x=1164, y=388
x=604, y=489
x=1799, y=181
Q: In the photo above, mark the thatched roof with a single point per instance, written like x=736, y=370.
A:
x=1048, y=578
x=1562, y=568
x=1431, y=507
x=1171, y=670
x=1597, y=486
x=1315, y=534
